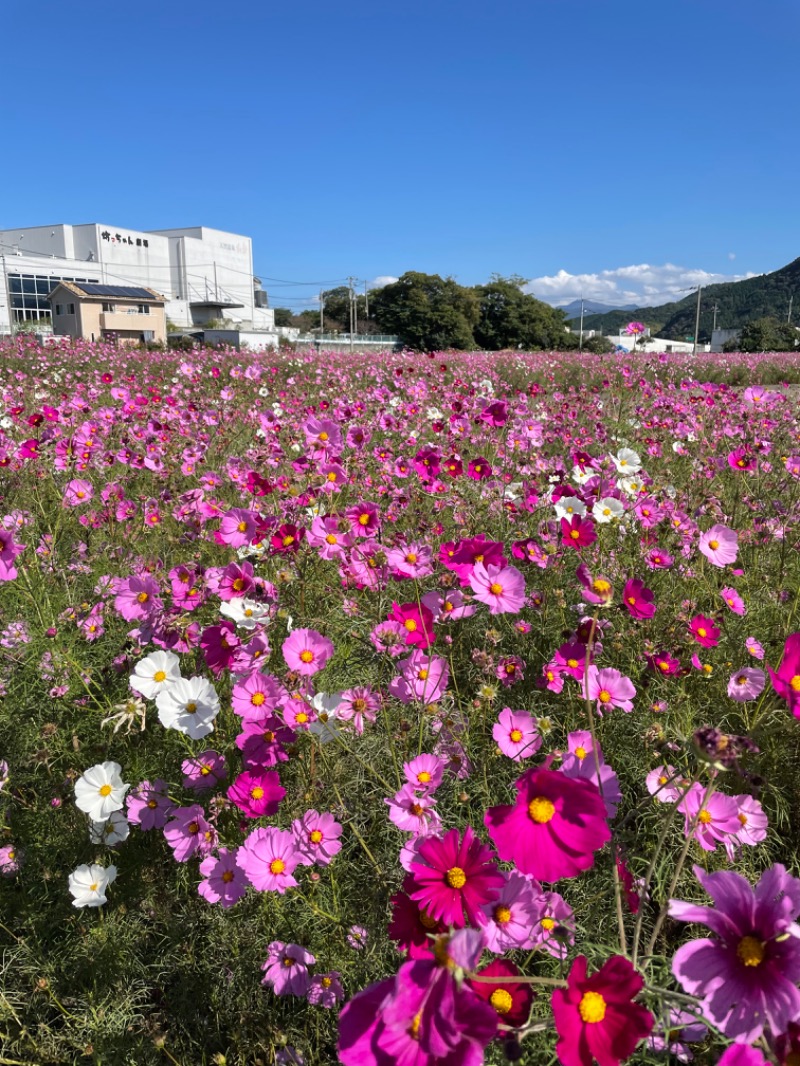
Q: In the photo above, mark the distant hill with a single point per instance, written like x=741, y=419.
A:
x=573, y=309
x=737, y=303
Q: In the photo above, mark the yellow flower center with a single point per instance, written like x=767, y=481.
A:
x=242, y=527
x=410, y=625
x=411, y=557
x=455, y=877
x=301, y=717
x=105, y=790
x=331, y=538
x=713, y=545
x=515, y=735
x=742, y=817
x=502, y=914
x=704, y=817
x=541, y=810
x=323, y=436
x=257, y=699
x=592, y=1007
x=423, y=777
x=601, y=586
x=575, y=534
x=277, y=866
x=581, y=753
x=750, y=951
x=702, y=632
x=306, y=656
x=191, y=708
x=363, y=519
x=257, y=793
x=501, y=1001
x=194, y=828
x=548, y=924
x=238, y=584
x=604, y=696
x=93, y=887
x=227, y=876
x=315, y=836
x=159, y=676
x=413, y=1029
x=416, y=810
x=422, y=674
x=572, y=663
x=142, y=597
x=332, y=475
x=794, y=684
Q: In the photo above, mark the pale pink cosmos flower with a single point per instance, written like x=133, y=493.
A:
x=224, y=882
x=664, y=784
x=720, y=545
x=306, y=651
x=516, y=734
x=753, y=826
x=501, y=588
x=755, y=649
x=316, y=838
x=609, y=688
x=716, y=819
x=746, y=684
x=78, y=492
x=508, y=922
x=424, y=772
x=412, y=812
x=269, y=857
x=733, y=600
x=286, y=969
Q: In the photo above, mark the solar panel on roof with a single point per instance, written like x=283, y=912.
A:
x=115, y=290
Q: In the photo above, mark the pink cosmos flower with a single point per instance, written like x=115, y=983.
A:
x=413, y=812
x=188, y=832
x=754, y=823
x=746, y=684
x=786, y=679
x=269, y=857
x=257, y=793
x=325, y=990
x=509, y=670
x=417, y=621
x=516, y=734
x=716, y=819
x=553, y=829
x=609, y=688
x=316, y=838
x=257, y=697
x=422, y=677
x=733, y=600
x=755, y=649
x=358, y=705
x=78, y=492
x=286, y=969
x=578, y=532
x=364, y=519
x=638, y=600
x=454, y=878
x=424, y=773
x=148, y=805
x=137, y=598
x=585, y=762
x=507, y=922
x=656, y=559
x=720, y=545
x=450, y=607
x=235, y=581
x=664, y=784
x=704, y=631
x=306, y=651
x=413, y=560
x=204, y=770
x=502, y=589
x=238, y=527
x=390, y=638
x=224, y=882
x=9, y=550
x=553, y=924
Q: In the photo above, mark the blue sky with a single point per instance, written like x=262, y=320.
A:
x=555, y=139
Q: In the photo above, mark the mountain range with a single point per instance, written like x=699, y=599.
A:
x=737, y=302
x=573, y=309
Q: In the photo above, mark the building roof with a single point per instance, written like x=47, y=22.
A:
x=119, y=292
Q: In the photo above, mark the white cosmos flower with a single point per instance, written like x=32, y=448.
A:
x=434, y=414
x=581, y=475
x=112, y=831
x=568, y=506
x=190, y=706
x=100, y=791
x=154, y=673
x=632, y=486
x=626, y=461
x=326, y=705
x=607, y=510
x=245, y=613
x=88, y=884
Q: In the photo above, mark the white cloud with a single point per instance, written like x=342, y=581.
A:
x=383, y=279
x=642, y=284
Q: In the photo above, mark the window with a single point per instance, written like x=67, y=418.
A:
x=109, y=309
x=72, y=309
x=144, y=309
x=59, y=309
x=29, y=295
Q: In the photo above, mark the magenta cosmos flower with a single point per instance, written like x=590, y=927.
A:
x=516, y=734
x=609, y=688
x=746, y=975
x=286, y=969
x=704, y=631
x=578, y=532
x=786, y=679
x=269, y=858
x=553, y=829
x=720, y=545
x=454, y=878
x=257, y=793
x=501, y=588
x=306, y=651
x=638, y=599
x=224, y=881
x=417, y=621
x=596, y=1018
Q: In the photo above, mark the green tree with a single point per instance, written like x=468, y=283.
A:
x=511, y=318
x=598, y=344
x=283, y=316
x=337, y=311
x=765, y=335
x=427, y=312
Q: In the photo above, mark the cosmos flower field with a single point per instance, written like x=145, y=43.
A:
x=398, y=709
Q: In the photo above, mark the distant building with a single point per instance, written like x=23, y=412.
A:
x=204, y=274
x=124, y=313
x=720, y=337
x=655, y=344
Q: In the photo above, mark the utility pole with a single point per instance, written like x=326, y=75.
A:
x=366, y=300
x=321, y=313
x=8, y=299
x=789, y=316
x=352, y=324
x=216, y=287
x=697, y=321
x=715, y=309
x=580, y=342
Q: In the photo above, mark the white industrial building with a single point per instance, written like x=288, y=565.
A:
x=204, y=274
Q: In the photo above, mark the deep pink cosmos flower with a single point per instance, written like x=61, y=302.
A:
x=410, y=926
x=741, y=459
x=511, y=999
x=316, y=838
x=596, y=588
x=462, y=556
x=9, y=550
x=609, y=688
x=596, y=1017
x=578, y=532
x=235, y=581
x=417, y=621
x=286, y=969
x=495, y=413
x=257, y=793
x=516, y=734
x=306, y=651
x=638, y=599
x=720, y=545
x=553, y=829
x=704, y=631
x=501, y=588
x=454, y=877
x=786, y=679
x=746, y=975
x=269, y=858
x=224, y=882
